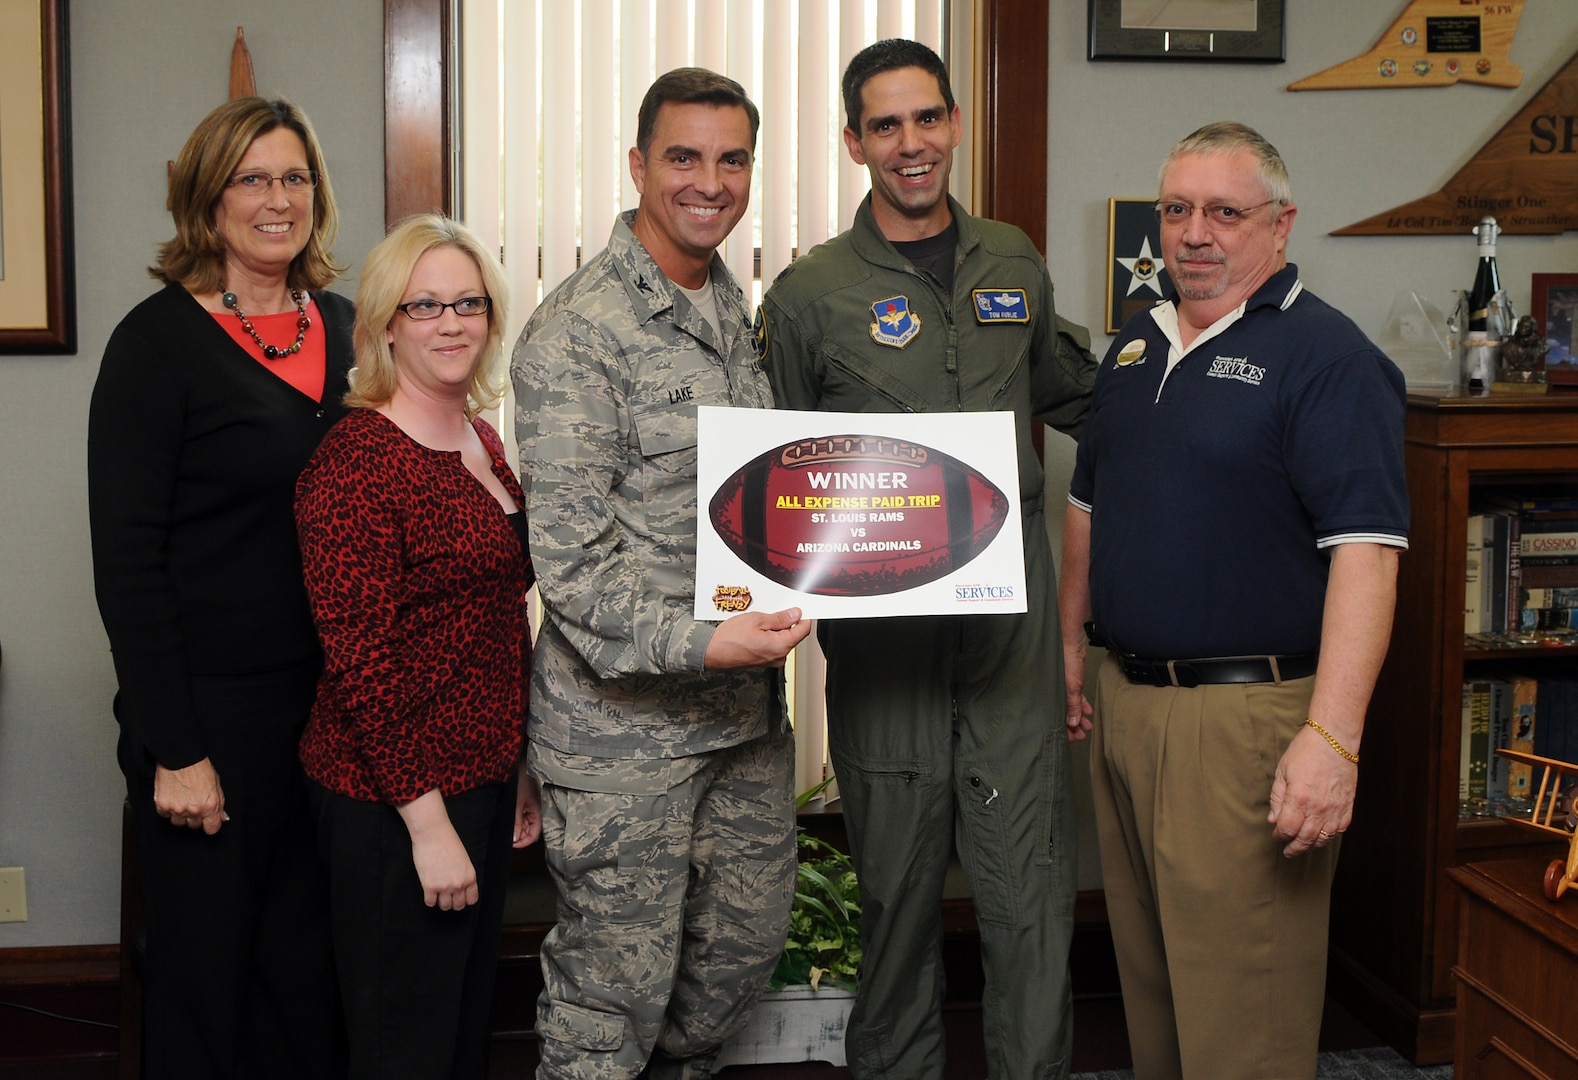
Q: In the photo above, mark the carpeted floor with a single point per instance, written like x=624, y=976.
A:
x=1375, y=1063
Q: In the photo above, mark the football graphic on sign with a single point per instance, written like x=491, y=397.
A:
x=856, y=515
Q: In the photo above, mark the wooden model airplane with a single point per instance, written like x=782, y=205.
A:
x=1559, y=876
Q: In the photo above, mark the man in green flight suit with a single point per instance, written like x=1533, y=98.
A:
x=951, y=725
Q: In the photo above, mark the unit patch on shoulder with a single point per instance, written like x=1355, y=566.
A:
x=1001, y=305
x=759, y=333
x=896, y=324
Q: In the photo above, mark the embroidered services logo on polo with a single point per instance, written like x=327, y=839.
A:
x=1236, y=367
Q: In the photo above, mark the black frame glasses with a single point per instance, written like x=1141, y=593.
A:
x=434, y=309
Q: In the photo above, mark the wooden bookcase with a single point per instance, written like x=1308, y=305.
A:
x=1394, y=926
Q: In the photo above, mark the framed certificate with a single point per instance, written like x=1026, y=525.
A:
x=1187, y=30
x=38, y=311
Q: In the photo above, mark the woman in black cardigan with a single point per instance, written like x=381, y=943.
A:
x=212, y=395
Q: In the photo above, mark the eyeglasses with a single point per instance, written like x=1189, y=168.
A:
x=258, y=184
x=422, y=310
x=1216, y=214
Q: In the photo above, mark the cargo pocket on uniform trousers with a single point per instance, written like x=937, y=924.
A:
x=587, y=1029
x=986, y=848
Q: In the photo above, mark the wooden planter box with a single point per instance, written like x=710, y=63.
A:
x=796, y=1023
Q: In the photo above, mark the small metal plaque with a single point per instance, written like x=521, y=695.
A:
x=1452, y=34
x=1189, y=41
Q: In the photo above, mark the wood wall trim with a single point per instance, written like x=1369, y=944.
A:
x=417, y=83
x=1011, y=115
x=60, y=965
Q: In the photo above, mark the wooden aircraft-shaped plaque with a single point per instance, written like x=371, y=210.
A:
x=1526, y=176
x=1434, y=43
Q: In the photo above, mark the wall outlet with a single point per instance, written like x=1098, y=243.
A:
x=13, y=894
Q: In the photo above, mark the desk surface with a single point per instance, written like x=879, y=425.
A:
x=1516, y=886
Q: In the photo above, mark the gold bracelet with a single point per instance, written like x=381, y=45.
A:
x=1335, y=745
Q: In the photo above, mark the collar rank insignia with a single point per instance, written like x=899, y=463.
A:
x=896, y=324
x=1001, y=305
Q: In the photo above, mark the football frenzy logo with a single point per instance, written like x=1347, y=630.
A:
x=731, y=598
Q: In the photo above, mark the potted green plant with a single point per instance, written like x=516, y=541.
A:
x=824, y=922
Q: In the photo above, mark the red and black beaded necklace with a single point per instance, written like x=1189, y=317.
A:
x=274, y=352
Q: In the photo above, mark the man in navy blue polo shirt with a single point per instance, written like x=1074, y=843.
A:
x=1234, y=524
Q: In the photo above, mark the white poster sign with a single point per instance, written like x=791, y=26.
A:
x=857, y=514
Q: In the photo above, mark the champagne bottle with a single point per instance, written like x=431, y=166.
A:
x=1486, y=304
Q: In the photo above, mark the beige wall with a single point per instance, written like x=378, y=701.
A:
x=143, y=72
x=1351, y=154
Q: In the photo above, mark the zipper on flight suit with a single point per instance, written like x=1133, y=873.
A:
x=945, y=302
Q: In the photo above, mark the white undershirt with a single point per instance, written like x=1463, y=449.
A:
x=705, y=302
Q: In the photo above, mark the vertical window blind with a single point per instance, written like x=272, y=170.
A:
x=549, y=95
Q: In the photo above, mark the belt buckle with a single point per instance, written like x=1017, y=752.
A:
x=1188, y=680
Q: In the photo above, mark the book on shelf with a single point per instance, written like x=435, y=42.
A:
x=1511, y=613
x=1497, y=570
x=1484, y=782
x=1561, y=618
x=1473, y=602
x=1538, y=574
x=1540, y=599
x=1525, y=696
x=1554, y=724
x=1520, y=583
x=1531, y=498
x=1550, y=539
x=1465, y=752
x=1497, y=787
x=1549, y=555
x=1493, y=569
x=1473, y=770
x=1529, y=501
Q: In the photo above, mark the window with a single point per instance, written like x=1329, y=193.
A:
x=550, y=91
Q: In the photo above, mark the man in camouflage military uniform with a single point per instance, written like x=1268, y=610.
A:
x=943, y=727
x=660, y=742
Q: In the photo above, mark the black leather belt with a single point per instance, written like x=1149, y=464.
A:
x=1217, y=669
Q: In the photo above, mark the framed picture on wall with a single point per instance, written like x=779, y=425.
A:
x=37, y=281
x=1554, y=306
x=1188, y=30
x=1136, y=276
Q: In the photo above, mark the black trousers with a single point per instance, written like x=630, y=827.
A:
x=417, y=982
x=237, y=976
